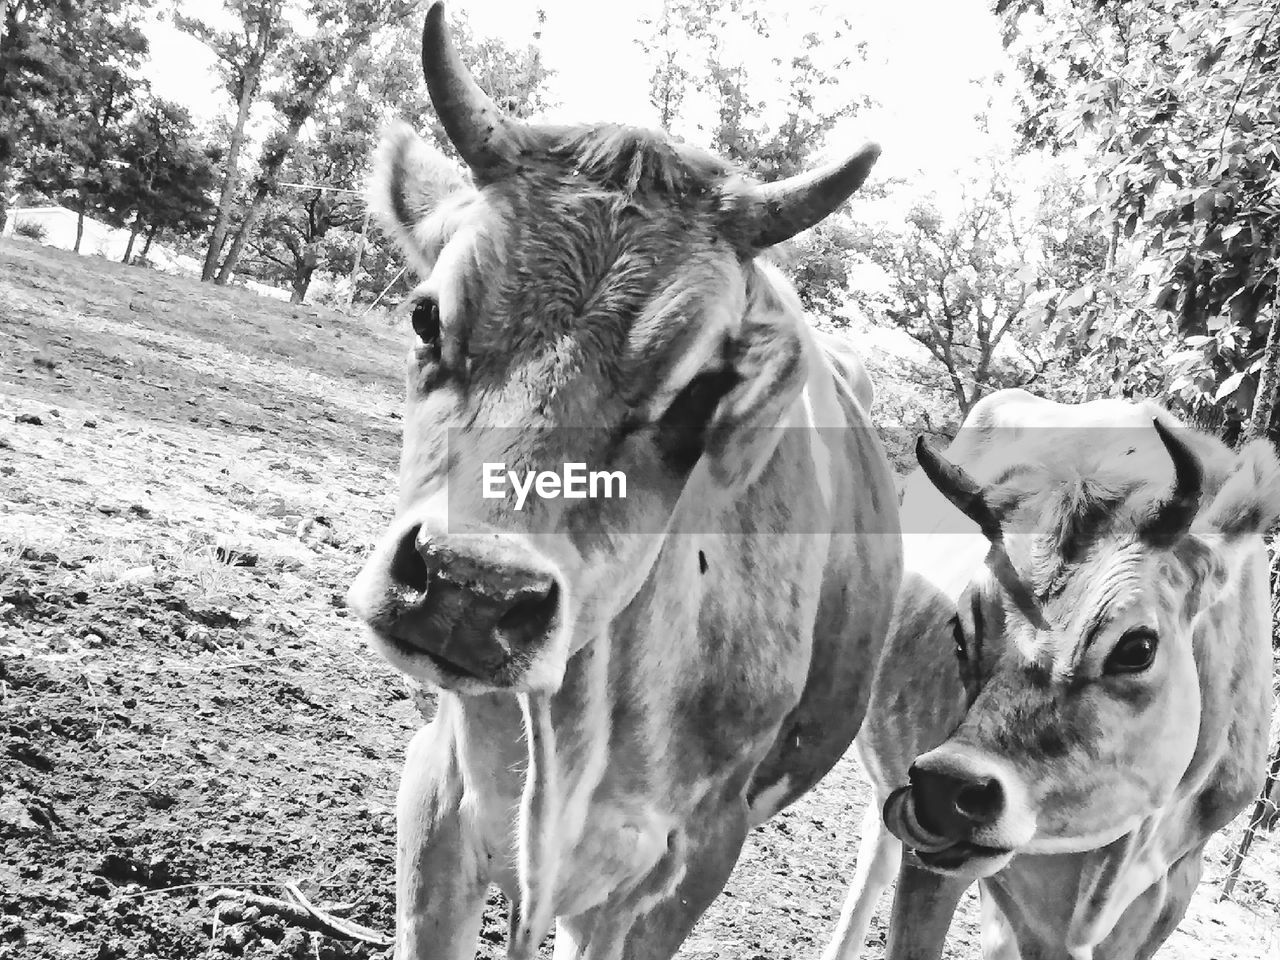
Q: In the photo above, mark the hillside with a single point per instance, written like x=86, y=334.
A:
x=189, y=478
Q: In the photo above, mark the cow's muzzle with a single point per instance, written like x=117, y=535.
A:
x=950, y=814
x=479, y=607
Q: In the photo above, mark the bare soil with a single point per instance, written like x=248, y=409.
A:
x=189, y=477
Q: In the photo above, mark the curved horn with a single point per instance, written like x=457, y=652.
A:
x=484, y=136
x=959, y=487
x=1173, y=514
x=786, y=207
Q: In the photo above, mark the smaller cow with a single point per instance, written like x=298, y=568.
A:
x=1105, y=593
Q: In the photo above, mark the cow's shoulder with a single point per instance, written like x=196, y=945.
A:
x=849, y=369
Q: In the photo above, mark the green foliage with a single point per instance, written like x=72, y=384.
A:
x=33, y=68
x=259, y=29
x=299, y=230
x=68, y=76
x=769, y=113
x=384, y=82
x=1175, y=104
x=963, y=286
x=387, y=78
x=243, y=53
x=31, y=229
x=817, y=262
x=311, y=64
x=169, y=173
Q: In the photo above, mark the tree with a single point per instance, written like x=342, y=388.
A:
x=722, y=53
x=242, y=53
x=674, y=58
x=298, y=227
x=963, y=287
x=169, y=174
x=302, y=233
x=29, y=66
x=1174, y=104
x=311, y=64
x=72, y=76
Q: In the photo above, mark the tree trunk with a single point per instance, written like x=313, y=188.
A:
x=301, y=281
x=274, y=156
x=247, y=223
x=79, y=230
x=1264, y=400
x=133, y=235
x=249, y=90
x=151, y=235
x=355, y=266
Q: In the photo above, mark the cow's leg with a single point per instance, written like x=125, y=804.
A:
x=923, y=906
x=713, y=842
x=597, y=935
x=879, y=857
x=441, y=877
x=998, y=939
x=1180, y=885
x=1151, y=919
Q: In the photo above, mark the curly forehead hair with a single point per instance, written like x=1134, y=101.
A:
x=1071, y=489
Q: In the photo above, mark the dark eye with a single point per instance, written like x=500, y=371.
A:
x=1134, y=653
x=957, y=635
x=426, y=323
x=682, y=428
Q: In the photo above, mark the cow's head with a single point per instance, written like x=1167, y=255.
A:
x=1112, y=586
x=592, y=295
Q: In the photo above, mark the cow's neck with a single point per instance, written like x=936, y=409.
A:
x=682, y=693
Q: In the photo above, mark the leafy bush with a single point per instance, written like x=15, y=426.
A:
x=31, y=230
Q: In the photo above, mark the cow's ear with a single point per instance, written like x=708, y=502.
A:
x=770, y=359
x=411, y=179
x=1249, y=501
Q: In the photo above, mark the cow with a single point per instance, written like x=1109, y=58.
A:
x=626, y=685
x=1096, y=577
x=852, y=372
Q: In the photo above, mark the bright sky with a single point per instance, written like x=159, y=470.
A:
x=926, y=59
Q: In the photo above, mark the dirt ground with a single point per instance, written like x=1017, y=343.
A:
x=188, y=479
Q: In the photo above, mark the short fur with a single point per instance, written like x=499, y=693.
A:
x=697, y=682
x=1074, y=484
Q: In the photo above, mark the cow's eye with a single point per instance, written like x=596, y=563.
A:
x=957, y=637
x=682, y=426
x=426, y=323
x=1134, y=652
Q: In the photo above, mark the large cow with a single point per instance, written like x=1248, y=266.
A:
x=1090, y=585
x=627, y=685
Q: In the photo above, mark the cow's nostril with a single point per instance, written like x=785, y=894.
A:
x=407, y=566
x=528, y=618
x=980, y=802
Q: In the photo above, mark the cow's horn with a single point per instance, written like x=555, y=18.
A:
x=954, y=483
x=1173, y=514
x=784, y=208
x=484, y=136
